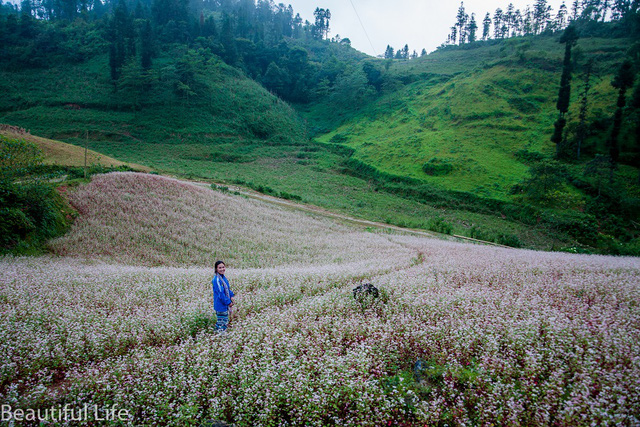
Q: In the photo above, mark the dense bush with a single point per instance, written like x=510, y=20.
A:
x=580, y=226
x=32, y=210
x=439, y=225
x=437, y=167
x=529, y=157
x=509, y=240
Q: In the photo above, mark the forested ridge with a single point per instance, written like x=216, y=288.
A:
x=267, y=42
x=523, y=124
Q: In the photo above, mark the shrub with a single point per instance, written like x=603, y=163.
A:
x=529, y=157
x=289, y=196
x=546, y=177
x=523, y=105
x=33, y=213
x=437, y=167
x=32, y=210
x=339, y=138
x=439, y=225
x=479, y=234
x=221, y=188
x=582, y=227
x=509, y=240
x=14, y=226
x=18, y=157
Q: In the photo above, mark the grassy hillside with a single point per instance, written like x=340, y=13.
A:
x=474, y=110
x=460, y=333
x=63, y=154
x=472, y=118
x=232, y=131
x=469, y=128
x=66, y=102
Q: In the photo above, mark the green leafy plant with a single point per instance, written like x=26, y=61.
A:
x=437, y=167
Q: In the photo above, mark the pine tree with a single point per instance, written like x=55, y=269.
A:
x=388, y=53
x=461, y=22
x=486, y=26
x=606, y=4
x=121, y=35
x=472, y=28
x=405, y=52
x=146, y=45
x=517, y=23
x=527, y=23
x=622, y=9
x=275, y=79
x=131, y=84
x=69, y=9
x=297, y=26
x=622, y=81
x=584, y=104
x=228, y=40
x=575, y=10
x=321, y=26
x=209, y=28
x=509, y=18
x=540, y=16
x=561, y=17
x=25, y=8
x=498, y=19
x=454, y=34
x=635, y=103
x=569, y=38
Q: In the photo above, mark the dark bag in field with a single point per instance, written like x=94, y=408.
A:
x=365, y=290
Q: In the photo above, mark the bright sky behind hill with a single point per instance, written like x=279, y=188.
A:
x=418, y=23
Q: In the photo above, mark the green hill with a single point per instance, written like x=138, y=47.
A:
x=457, y=141
x=228, y=107
x=474, y=110
x=475, y=123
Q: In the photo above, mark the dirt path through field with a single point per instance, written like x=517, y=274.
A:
x=323, y=212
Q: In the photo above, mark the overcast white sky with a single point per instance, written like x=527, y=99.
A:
x=418, y=23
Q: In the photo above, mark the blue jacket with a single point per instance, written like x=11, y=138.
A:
x=220, y=299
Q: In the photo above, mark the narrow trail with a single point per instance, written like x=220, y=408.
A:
x=326, y=213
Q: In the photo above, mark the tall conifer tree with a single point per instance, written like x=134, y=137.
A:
x=569, y=38
x=486, y=26
x=622, y=81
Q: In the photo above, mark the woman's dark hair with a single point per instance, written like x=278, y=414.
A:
x=217, y=264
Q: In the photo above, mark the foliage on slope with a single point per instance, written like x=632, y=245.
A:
x=222, y=104
x=31, y=210
x=476, y=129
x=476, y=117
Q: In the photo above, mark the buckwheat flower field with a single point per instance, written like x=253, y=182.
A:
x=461, y=334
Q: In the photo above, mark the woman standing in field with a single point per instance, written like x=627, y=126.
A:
x=222, y=297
